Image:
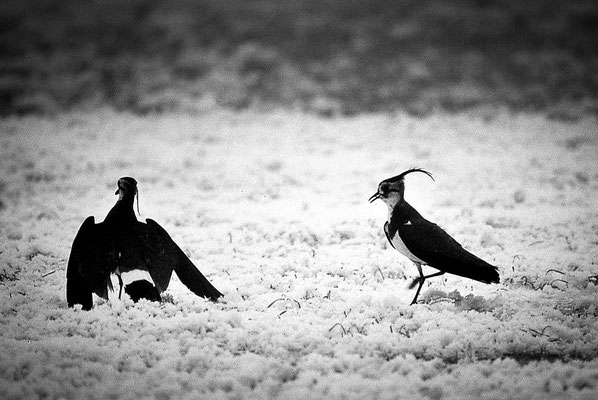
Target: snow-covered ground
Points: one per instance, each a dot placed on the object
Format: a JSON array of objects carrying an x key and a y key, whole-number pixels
[{"x": 273, "y": 210}]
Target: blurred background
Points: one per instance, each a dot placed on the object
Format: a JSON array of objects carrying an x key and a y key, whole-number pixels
[{"x": 329, "y": 57}]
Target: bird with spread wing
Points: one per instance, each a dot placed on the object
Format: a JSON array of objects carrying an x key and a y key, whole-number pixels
[{"x": 121, "y": 244}]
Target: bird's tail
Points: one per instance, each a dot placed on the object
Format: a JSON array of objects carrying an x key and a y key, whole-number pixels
[
  {"x": 481, "y": 271},
  {"x": 194, "y": 280},
  {"x": 142, "y": 289}
]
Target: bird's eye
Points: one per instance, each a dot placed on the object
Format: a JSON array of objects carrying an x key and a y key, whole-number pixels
[{"x": 384, "y": 188}]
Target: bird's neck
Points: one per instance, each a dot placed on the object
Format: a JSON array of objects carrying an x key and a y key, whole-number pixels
[
  {"x": 123, "y": 211},
  {"x": 401, "y": 212}
]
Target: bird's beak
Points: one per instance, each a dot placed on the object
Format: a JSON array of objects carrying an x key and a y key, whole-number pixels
[
  {"x": 375, "y": 197},
  {"x": 117, "y": 190}
]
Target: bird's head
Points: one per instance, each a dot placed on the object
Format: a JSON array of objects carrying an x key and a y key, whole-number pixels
[
  {"x": 127, "y": 187},
  {"x": 127, "y": 190},
  {"x": 392, "y": 190}
]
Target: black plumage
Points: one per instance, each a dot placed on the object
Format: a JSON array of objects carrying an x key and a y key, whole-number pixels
[
  {"x": 142, "y": 289},
  {"x": 424, "y": 242},
  {"x": 121, "y": 244}
]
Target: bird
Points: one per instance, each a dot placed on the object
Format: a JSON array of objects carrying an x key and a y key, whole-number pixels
[
  {"x": 121, "y": 244},
  {"x": 424, "y": 242},
  {"x": 142, "y": 289}
]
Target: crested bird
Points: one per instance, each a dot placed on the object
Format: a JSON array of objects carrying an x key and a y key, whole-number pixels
[
  {"x": 424, "y": 242},
  {"x": 121, "y": 244}
]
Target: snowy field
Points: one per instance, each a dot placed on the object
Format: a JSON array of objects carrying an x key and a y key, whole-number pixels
[{"x": 273, "y": 209}]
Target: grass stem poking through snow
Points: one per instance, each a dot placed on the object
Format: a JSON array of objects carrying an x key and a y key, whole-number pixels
[
  {"x": 281, "y": 299},
  {"x": 344, "y": 331},
  {"x": 555, "y": 270},
  {"x": 379, "y": 270}
]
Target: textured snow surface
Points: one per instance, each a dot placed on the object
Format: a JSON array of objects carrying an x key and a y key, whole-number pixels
[{"x": 273, "y": 210}]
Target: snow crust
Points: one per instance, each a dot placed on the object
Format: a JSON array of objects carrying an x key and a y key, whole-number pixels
[{"x": 272, "y": 208}]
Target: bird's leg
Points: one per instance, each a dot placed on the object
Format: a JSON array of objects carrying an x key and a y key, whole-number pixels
[
  {"x": 120, "y": 282},
  {"x": 433, "y": 275},
  {"x": 421, "y": 280},
  {"x": 416, "y": 280}
]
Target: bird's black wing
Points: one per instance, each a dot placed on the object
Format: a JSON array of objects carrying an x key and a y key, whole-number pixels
[
  {"x": 428, "y": 242},
  {"x": 88, "y": 271},
  {"x": 165, "y": 255},
  {"x": 387, "y": 233}
]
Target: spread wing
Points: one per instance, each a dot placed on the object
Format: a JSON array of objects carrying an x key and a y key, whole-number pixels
[
  {"x": 438, "y": 249},
  {"x": 88, "y": 270},
  {"x": 99, "y": 250},
  {"x": 164, "y": 255}
]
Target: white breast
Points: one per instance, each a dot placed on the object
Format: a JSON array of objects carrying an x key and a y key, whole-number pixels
[{"x": 401, "y": 248}]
